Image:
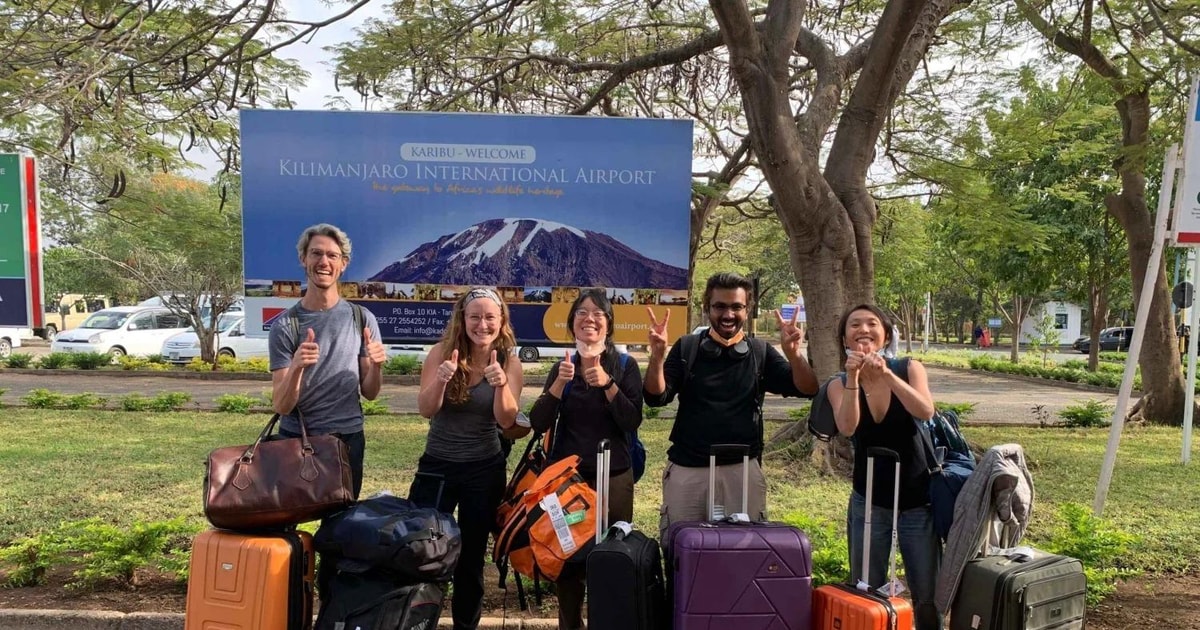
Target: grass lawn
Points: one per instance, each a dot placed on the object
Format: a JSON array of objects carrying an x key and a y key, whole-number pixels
[{"x": 58, "y": 466}]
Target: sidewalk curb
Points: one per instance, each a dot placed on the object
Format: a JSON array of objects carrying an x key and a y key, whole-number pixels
[
  {"x": 390, "y": 379},
  {"x": 20, "y": 619}
]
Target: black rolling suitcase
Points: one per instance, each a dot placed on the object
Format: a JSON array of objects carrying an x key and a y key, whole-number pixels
[{"x": 625, "y": 589}]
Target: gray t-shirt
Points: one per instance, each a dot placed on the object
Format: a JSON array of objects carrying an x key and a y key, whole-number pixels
[
  {"x": 329, "y": 390},
  {"x": 465, "y": 432}
]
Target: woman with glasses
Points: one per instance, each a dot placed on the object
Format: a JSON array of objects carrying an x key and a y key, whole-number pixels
[
  {"x": 876, "y": 405},
  {"x": 591, "y": 396},
  {"x": 470, "y": 384}
]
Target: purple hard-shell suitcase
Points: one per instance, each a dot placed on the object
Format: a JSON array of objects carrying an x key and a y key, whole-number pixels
[{"x": 749, "y": 576}]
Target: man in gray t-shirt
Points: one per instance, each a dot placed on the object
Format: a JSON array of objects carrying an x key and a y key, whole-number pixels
[{"x": 322, "y": 360}]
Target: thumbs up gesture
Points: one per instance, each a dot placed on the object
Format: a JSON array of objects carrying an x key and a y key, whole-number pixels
[
  {"x": 566, "y": 369},
  {"x": 494, "y": 373},
  {"x": 375, "y": 350},
  {"x": 448, "y": 367},
  {"x": 308, "y": 352},
  {"x": 593, "y": 374}
]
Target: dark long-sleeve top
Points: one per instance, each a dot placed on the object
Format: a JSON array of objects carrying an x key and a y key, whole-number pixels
[
  {"x": 719, "y": 403},
  {"x": 586, "y": 416}
]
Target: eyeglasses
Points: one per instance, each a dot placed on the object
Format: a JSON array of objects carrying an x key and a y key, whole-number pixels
[
  {"x": 583, "y": 312},
  {"x": 320, "y": 253},
  {"x": 732, "y": 308}
]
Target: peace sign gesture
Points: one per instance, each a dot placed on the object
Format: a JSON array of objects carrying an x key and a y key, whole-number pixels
[
  {"x": 658, "y": 333},
  {"x": 790, "y": 335}
]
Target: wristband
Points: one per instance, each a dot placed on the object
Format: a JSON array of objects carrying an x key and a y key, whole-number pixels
[{"x": 611, "y": 382}]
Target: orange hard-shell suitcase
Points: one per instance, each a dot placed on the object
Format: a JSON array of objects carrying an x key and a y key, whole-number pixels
[
  {"x": 857, "y": 607},
  {"x": 250, "y": 581}
]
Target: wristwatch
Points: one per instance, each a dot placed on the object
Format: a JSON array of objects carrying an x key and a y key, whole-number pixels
[{"x": 611, "y": 382}]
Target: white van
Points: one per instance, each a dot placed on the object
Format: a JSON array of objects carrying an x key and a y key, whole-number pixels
[
  {"x": 9, "y": 338},
  {"x": 121, "y": 330}
]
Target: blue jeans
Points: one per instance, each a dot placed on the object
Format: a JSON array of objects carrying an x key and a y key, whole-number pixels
[{"x": 919, "y": 546}]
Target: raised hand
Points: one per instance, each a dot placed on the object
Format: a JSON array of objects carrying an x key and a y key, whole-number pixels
[
  {"x": 566, "y": 369},
  {"x": 593, "y": 374},
  {"x": 448, "y": 367},
  {"x": 309, "y": 352},
  {"x": 658, "y": 333},
  {"x": 375, "y": 351},
  {"x": 790, "y": 335},
  {"x": 856, "y": 359},
  {"x": 494, "y": 373}
]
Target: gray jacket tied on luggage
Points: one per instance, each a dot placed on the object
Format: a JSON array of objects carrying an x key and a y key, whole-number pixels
[{"x": 992, "y": 511}]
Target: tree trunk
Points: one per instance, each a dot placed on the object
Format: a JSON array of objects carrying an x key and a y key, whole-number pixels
[{"x": 1162, "y": 376}]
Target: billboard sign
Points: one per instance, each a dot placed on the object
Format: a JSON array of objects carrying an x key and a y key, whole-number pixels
[
  {"x": 788, "y": 309},
  {"x": 15, "y": 308},
  {"x": 537, "y": 207},
  {"x": 1187, "y": 205}
]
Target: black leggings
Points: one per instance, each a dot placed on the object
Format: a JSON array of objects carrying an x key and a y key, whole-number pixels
[{"x": 475, "y": 488}]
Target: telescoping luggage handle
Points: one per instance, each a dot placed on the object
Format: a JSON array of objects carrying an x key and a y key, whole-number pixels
[
  {"x": 893, "y": 588},
  {"x": 620, "y": 529},
  {"x": 441, "y": 479},
  {"x": 715, "y": 514}
]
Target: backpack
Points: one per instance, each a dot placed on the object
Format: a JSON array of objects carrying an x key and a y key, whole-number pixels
[
  {"x": 821, "y": 423},
  {"x": 637, "y": 450},
  {"x": 553, "y": 525},
  {"x": 949, "y": 469},
  {"x": 372, "y": 601}
]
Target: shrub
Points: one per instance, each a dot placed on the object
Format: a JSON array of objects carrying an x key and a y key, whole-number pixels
[
  {"x": 135, "y": 402},
  {"x": 91, "y": 360},
  {"x": 43, "y": 399},
  {"x": 236, "y": 403},
  {"x": 129, "y": 363},
  {"x": 375, "y": 407},
  {"x": 198, "y": 365},
  {"x": 649, "y": 412},
  {"x": 963, "y": 410},
  {"x": 102, "y": 551},
  {"x": 56, "y": 361},
  {"x": 257, "y": 364},
  {"x": 830, "y": 551},
  {"x": 169, "y": 401},
  {"x": 84, "y": 401},
  {"x": 1097, "y": 544},
  {"x": 19, "y": 360},
  {"x": 1088, "y": 413},
  {"x": 3, "y": 390},
  {"x": 402, "y": 364}
]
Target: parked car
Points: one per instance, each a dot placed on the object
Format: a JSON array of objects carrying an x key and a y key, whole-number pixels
[
  {"x": 121, "y": 330},
  {"x": 1116, "y": 338},
  {"x": 9, "y": 338},
  {"x": 230, "y": 340}
]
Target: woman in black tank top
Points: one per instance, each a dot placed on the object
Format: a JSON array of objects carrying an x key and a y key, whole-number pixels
[{"x": 876, "y": 406}]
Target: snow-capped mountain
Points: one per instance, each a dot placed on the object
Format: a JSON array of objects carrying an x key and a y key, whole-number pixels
[{"x": 531, "y": 252}]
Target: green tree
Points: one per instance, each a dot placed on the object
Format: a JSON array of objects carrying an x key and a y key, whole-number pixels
[{"x": 176, "y": 237}]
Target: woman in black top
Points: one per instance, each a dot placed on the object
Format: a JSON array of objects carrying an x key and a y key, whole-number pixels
[
  {"x": 603, "y": 400},
  {"x": 876, "y": 407}
]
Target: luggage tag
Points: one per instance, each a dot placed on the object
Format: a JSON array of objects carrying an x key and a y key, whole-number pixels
[
  {"x": 739, "y": 517},
  {"x": 895, "y": 588},
  {"x": 624, "y": 526},
  {"x": 562, "y": 527}
]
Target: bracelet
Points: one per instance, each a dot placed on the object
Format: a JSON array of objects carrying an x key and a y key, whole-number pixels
[
  {"x": 611, "y": 382},
  {"x": 844, "y": 387}
]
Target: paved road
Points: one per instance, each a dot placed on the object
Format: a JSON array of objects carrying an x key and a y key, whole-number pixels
[{"x": 999, "y": 399}]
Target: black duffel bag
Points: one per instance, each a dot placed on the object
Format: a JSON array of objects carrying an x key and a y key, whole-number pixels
[{"x": 393, "y": 535}]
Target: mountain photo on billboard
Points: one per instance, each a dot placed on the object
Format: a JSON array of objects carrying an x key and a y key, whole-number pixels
[{"x": 531, "y": 252}]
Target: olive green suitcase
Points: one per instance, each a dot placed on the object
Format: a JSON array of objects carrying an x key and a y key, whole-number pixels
[{"x": 1031, "y": 591}]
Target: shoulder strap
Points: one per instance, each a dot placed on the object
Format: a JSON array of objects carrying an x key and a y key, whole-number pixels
[
  {"x": 293, "y": 321},
  {"x": 689, "y": 345}
]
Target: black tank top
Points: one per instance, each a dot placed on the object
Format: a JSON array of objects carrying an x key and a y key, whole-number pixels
[{"x": 897, "y": 432}]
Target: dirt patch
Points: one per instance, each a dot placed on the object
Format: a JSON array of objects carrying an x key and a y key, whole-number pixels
[
  {"x": 1158, "y": 601},
  {"x": 157, "y": 592}
]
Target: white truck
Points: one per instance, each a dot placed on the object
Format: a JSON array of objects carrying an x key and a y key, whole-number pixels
[{"x": 11, "y": 338}]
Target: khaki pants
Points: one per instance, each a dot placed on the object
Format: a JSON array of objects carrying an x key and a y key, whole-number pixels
[
  {"x": 685, "y": 493},
  {"x": 570, "y": 585}
]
